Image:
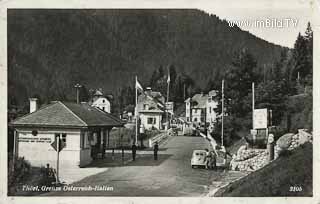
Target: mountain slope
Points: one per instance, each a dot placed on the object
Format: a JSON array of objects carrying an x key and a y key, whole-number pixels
[{"x": 51, "y": 50}]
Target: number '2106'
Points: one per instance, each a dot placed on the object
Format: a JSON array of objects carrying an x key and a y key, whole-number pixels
[{"x": 295, "y": 189}]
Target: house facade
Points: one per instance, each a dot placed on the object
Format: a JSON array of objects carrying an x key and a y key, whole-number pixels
[
  {"x": 200, "y": 108},
  {"x": 100, "y": 101},
  {"x": 84, "y": 130},
  {"x": 150, "y": 108}
]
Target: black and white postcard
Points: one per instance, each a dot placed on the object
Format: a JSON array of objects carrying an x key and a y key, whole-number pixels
[{"x": 133, "y": 102}]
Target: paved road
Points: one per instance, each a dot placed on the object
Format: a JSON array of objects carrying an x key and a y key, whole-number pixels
[{"x": 171, "y": 175}]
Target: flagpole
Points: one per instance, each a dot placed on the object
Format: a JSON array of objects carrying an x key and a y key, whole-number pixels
[
  {"x": 168, "y": 87},
  {"x": 222, "y": 112},
  {"x": 136, "y": 111}
]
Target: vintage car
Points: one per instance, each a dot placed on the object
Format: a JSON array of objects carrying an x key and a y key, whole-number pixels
[{"x": 198, "y": 158}]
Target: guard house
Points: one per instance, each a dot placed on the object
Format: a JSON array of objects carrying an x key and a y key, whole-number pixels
[{"x": 83, "y": 128}]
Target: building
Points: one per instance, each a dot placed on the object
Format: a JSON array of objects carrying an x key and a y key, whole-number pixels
[
  {"x": 99, "y": 101},
  {"x": 212, "y": 104},
  {"x": 83, "y": 128},
  {"x": 200, "y": 108},
  {"x": 151, "y": 109}
]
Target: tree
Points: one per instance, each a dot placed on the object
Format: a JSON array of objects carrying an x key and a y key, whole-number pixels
[{"x": 237, "y": 92}]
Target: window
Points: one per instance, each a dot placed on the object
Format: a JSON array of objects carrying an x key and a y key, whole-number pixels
[
  {"x": 210, "y": 110},
  {"x": 103, "y": 101},
  {"x": 195, "y": 119},
  {"x": 103, "y": 108},
  {"x": 151, "y": 121}
]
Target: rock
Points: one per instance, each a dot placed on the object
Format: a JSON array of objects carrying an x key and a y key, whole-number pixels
[
  {"x": 295, "y": 137},
  {"x": 304, "y": 136},
  {"x": 284, "y": 141}
]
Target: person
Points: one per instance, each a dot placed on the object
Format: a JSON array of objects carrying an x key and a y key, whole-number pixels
[
  {"x": 213, "y": 163},
  {"x": 155, "y": 151},
  {"x": 134, "y": 150},
  {"x": 207, "y": 158}
]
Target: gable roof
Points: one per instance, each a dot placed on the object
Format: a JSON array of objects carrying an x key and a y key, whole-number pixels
[
  {"x": 200, "y": 99},
  {"x": 62, "y": 114}
]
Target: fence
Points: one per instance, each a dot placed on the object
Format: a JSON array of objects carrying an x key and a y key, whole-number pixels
[{"x": 158, "y": 138}]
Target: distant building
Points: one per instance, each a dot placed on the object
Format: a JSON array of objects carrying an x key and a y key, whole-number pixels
[
  {"x": 99, "y": 101},
  {"x": 151, "y": 109},
  {"x": 83, "y": 128},
  {"x": 200, "y": 108},
  {"x": 211, "y": 105}
]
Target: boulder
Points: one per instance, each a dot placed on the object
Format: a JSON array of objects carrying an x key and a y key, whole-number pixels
[
  {"x": 304, "y": 136},
  {"x": 284, "y": 141}
]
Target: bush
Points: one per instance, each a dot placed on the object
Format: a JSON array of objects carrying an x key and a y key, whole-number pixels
[{"x": 17, "y": 173}]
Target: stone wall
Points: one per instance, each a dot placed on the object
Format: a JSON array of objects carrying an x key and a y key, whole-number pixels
[
  {"x": 291, "y": 141},
  {"x": 254, "y": 159},
  {"x": 249, "y": 159}
]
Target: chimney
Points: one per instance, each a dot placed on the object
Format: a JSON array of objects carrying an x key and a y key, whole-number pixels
[{"x": 33, "y": 104}]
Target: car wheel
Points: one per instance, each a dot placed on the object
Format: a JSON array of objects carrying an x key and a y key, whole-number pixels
[{"x": 192, "y": 166}]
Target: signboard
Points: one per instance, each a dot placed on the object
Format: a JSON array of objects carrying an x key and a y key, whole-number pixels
[
  {"x": 260, "y": 118},
  {"x": 55, "y": 144}
]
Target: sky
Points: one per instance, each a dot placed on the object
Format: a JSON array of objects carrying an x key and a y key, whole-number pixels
[{"x": 297, "y": 11}]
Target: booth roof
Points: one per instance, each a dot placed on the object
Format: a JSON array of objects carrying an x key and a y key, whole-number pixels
[{"x": 64, "y": 114}]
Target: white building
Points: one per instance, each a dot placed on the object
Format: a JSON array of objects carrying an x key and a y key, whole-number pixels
[
  {"x": 200, "y": 108},
  {"x": 100, "y": 101},
  {"x": 151, "y": 109},
  {"x": 84, "y": 130},
  {"x": 212, "y": 104}
]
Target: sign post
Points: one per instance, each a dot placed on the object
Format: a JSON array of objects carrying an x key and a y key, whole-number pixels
[
  {"x": 58, "y": 148},
  {"x": 58, "y": 145}
]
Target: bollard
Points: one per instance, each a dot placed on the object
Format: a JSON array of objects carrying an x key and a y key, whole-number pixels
[
  {"x": 113, "y": 154},
  {"x": 270, "y": 147}
]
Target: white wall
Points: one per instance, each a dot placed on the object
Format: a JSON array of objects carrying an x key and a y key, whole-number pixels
[
  {"x": 196, "y": 113},
  {"x": 211, "y": 117},
  {"x": 144, "y": 120},
  {"x": 188, "y": 111},
  {"x": 102, "y": 103},
  {"x": 40, "y": 153}
]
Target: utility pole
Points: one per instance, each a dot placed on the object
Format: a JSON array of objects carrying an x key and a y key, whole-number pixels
[
  {"x": 252, "y": 105},
  {"x": 136, "y": 112},
  {"x": 78, "y": 86},
  {"x": 222, "y": 111},
  {"x": 184, "y": 91},
  {"x": 168, "y": 88}
]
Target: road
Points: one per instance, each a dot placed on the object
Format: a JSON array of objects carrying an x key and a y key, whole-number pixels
[{"x": 171, "y": 175}]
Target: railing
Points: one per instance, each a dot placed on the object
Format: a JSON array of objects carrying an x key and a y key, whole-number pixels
[{"x": 158, "y": 138}]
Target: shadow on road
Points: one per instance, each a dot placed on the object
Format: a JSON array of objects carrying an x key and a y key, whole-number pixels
[
  {"x": 148, "y": 160},
  {"x": 117, "y": 161}
]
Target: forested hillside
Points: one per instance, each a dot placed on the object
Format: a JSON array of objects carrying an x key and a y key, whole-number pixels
[{"x": 51, "y": 50}]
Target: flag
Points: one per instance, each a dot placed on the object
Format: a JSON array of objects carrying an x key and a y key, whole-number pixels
[
  {"x": 168, "y": 80},
  {"x": 138, "y": 86}
]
